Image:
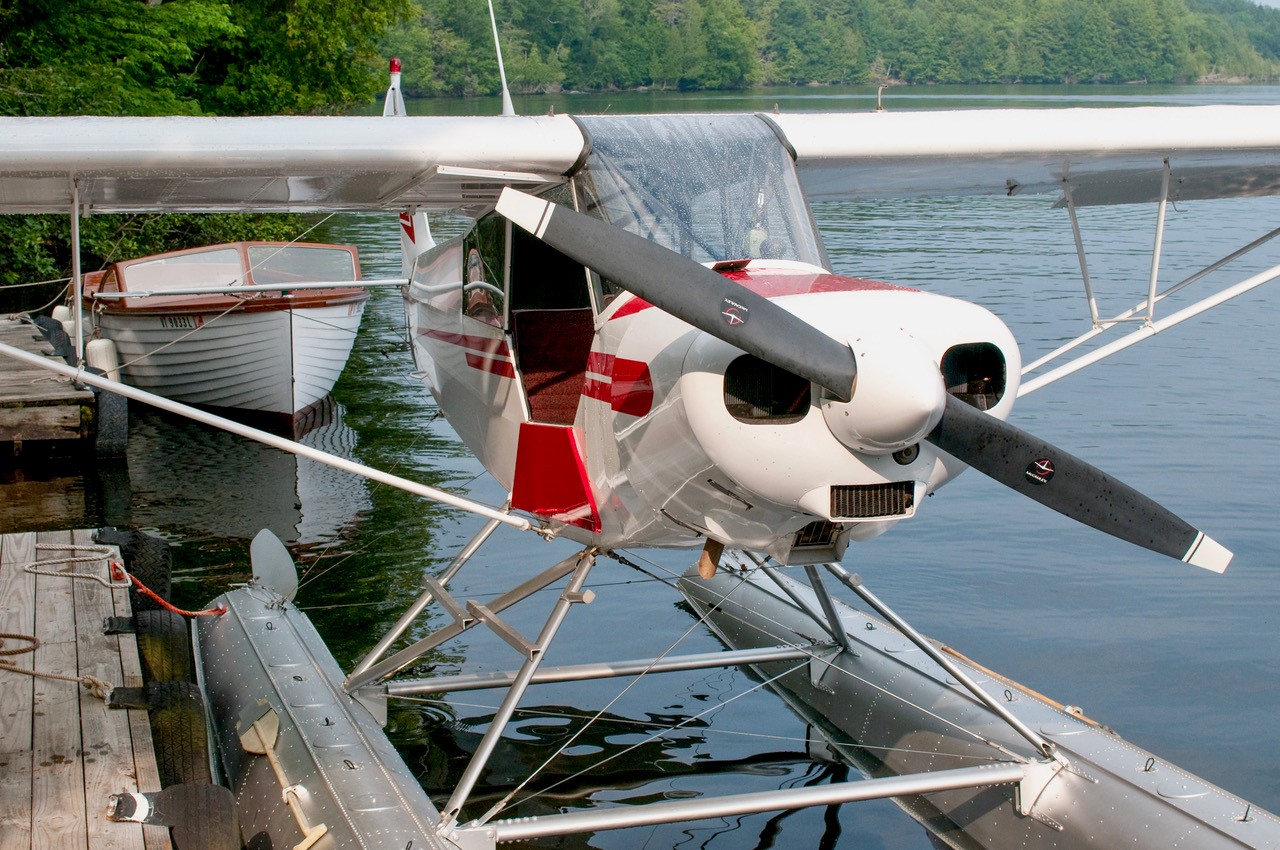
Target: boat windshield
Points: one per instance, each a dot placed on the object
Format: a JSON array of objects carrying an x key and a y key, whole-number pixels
[
  {"x": 215, "y": 267},
  {"x": 711, "y": 187},
  {"x": 284, "y": 264}
]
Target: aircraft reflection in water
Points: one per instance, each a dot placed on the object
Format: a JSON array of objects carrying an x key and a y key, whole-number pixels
[{"x": 625, "y": 760}]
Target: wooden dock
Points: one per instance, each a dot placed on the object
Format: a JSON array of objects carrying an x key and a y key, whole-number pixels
[
  {"x": 35, "y": 408},
  {"x": 63, "y": 753}
]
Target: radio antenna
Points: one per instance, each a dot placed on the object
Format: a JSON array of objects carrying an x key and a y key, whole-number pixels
[{"x": 507, "y": 108}]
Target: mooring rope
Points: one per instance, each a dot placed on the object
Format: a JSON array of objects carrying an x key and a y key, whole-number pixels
[{"x": 98, "y": 687}]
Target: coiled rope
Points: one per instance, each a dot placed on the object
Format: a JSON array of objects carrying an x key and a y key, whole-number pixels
[{"x": 116, "y": 577}]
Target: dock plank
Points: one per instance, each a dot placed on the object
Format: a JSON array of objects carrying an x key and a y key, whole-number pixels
[
  {"x": 17, "y": 616},
  {"x": 144, "y": 756},
  {"x": 57, "y": 792},
  {"x": 33, "y": 408},
  {"x": 62, "y": 751},
  {"x": 105, "y": 732}
]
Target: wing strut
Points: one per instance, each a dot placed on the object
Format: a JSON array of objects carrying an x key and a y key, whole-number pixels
[
  {"x": 277, "y": 442},
  {"x": 1143, "y": 311}
]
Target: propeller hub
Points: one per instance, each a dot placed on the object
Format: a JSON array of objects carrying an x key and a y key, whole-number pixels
[{"x": 898, "y": 397}]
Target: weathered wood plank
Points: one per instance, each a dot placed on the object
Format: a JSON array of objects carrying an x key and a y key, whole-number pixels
[
  {"x": 144, "y": 757},
  {"x": 58, "y": 804},
  {"x": 32, "y": 407},
  {"x": 34, "y": 388},
  {"x": 17, "y": 616},
  {"x": 32, "y": 424},
  {"x": 107, "y": 744}
]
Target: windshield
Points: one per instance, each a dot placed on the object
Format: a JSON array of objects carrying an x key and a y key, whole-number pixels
[
  {"x": 276, "y": 264},
  {"x": 215, "y": 267},
  {"x": 710, "y": 187}
]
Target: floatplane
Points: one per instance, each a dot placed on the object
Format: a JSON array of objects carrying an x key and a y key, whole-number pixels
[{"x": 642, "y": 341}]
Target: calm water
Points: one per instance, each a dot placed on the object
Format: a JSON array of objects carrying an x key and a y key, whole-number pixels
[{"x": 1178, "y": 661}]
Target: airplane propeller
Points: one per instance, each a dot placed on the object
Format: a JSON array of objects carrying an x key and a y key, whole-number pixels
[{"x": 730, "y": 312}]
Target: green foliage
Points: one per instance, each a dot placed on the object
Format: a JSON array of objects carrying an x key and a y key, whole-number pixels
[
  {"x": 226, "y": 57},
  {"x": 696, "y": 44},
  {"x": 106, "y": 57},
  {"x": 37, "y": 247},
  {"x": 181, "y": 57}
]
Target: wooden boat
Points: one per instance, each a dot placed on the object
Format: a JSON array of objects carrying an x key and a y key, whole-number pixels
[{"x": 262, "y": 329}]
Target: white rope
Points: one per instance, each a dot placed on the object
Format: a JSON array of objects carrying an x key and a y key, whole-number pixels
[{"x": 100, "y": 553}]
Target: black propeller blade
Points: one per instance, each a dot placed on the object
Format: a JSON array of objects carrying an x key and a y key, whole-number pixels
[
  {"x": 1070, "y": 486},
  {"x": 705, "y": 299},
  {"x": 730, "y": 312}
]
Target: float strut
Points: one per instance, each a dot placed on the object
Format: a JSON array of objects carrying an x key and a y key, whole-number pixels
[
  {"x": 572, "y": 594},
  {"x": 854, "y": 583}
]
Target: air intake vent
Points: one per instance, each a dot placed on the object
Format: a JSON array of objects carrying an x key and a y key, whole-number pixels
[
  {"x": 820, "y": 533},
  {"x": 862, "y": 501}
]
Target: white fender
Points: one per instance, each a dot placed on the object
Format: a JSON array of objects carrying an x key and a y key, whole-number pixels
[{"x": 101, "y": 354}]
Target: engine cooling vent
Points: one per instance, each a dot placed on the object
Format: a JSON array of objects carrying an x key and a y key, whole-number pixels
[
  {"x": 820, "y": 533},
  {"x": 863, "y": 501}
]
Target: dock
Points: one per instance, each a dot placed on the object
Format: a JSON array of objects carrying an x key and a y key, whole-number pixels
[
  {"x": 63, "y": 752},
  {"x": 36, "y": 409}
]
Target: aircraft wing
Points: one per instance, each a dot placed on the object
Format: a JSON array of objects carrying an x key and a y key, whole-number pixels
[
  {"x": 1109, "y": 156},
  {"x": 277, "y": 164},
  {"x": 314, "y": 163}
]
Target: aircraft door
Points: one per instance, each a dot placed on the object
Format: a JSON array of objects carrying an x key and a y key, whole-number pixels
[{"x": 552, "y": 327}]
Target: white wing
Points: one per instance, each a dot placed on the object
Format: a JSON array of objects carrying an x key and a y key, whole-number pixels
[
  {"x": 277, "y": 164},
  {"x": 307, "y": 163},
  {"x": 1110, "y": 156}
]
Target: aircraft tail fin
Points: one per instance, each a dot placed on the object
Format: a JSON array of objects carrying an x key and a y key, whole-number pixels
[
  {"x": 415, "y": 232},
  {"x": 415, "y": 238}
]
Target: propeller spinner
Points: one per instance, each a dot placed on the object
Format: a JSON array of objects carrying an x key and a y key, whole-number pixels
[{"x": 730, "y": 312}]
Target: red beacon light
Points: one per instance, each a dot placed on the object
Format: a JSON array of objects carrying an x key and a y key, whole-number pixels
[{"x": 395, "y": 64}]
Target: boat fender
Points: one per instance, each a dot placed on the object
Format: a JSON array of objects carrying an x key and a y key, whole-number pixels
[
  {"x": 101, "y": 354},
  {"x": 62, "y": 313}
]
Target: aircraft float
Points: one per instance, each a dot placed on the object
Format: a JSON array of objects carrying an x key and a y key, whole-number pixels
[{"x": 641, "y": 339}]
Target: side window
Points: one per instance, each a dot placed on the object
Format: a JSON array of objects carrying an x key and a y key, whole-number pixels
[{"x": 482, "y": 270}]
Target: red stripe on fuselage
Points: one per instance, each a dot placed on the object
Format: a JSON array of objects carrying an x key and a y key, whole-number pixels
[
  {"x": 629, "y": 388},
  {"x": 775, "y": 285},
  {"x": 483, "y": 353}
]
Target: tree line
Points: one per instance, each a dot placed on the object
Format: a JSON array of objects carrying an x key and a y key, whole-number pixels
[
  {"x": 236, "y": 57},
  {"x": 550, "y": 45}
]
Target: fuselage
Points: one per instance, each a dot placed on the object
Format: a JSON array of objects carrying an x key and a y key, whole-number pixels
[{"x": 622, "y": 425}]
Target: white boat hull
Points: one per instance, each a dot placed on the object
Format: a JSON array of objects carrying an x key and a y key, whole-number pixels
[{"x": 278, "y": 361}]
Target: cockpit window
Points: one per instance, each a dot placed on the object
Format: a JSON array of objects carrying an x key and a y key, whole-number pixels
[
  {"x": 482, "y": 274},
  {"x": 710, "y": 187}
]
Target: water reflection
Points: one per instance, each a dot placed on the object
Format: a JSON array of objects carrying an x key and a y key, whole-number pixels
[
  {"x": 621, "y": 760},
  {"x": 196, "y": 481}
]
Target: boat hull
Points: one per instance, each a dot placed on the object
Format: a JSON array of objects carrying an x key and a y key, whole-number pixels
[{"x": 272, "y": 362}]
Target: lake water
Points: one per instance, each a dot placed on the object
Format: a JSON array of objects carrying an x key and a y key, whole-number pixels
[{"x": 1179, "y": 661}]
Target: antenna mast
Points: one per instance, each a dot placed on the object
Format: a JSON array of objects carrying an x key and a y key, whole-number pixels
[{"x": 507, "y": 108}]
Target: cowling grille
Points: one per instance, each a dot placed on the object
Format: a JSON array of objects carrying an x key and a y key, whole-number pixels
[{"x": 863, "y": 501}]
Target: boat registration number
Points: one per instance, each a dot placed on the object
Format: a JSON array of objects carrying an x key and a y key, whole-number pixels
[{"x": 181, "y": 322}]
